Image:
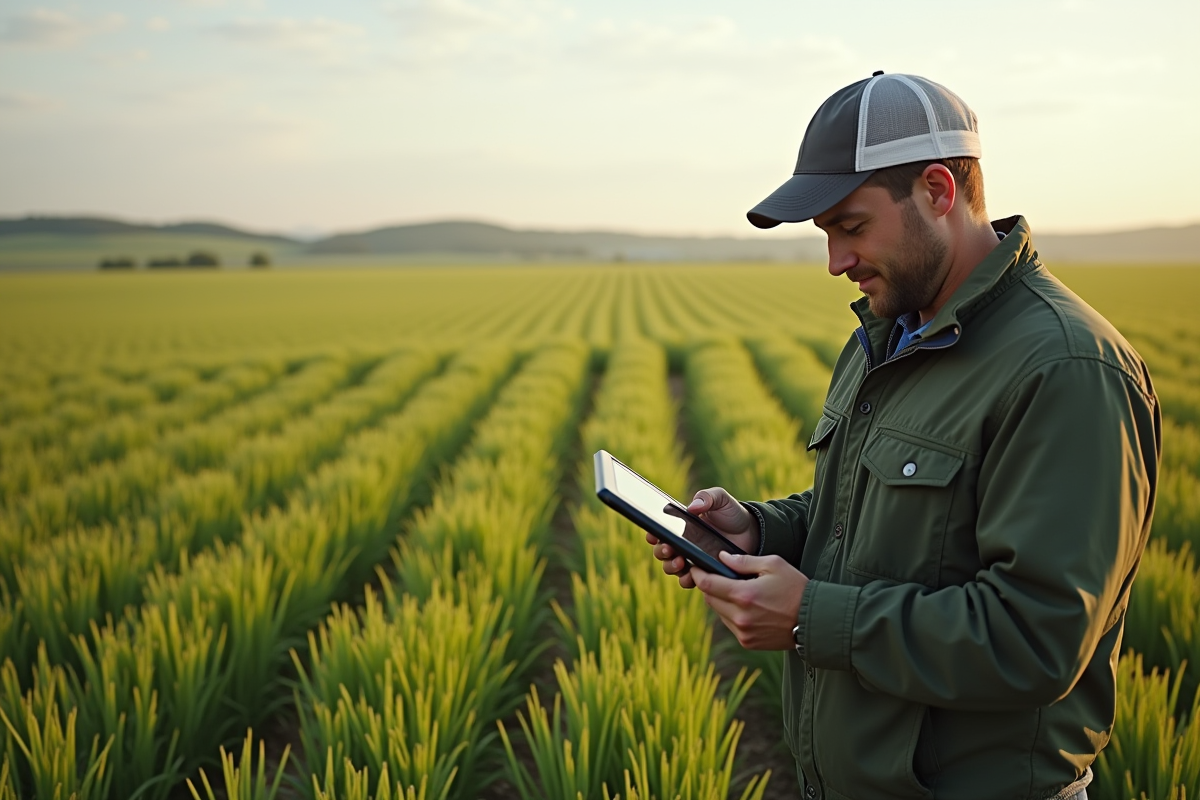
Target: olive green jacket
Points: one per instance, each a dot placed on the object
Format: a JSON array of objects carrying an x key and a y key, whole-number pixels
[{"x": 980, "y": 506}]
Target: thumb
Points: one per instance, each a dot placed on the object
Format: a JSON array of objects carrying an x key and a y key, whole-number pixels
[{"x": 700, "y": 502}]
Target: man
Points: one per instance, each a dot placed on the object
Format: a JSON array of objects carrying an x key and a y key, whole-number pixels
[{"x": 952, "y": 589}]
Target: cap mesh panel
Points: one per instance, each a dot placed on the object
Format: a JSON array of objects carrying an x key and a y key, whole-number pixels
[
  {"x": 893, "y": 112},
  {"x": 949, "y": 110}
]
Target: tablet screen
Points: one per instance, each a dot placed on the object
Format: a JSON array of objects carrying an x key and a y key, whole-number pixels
[{"x": 665, "y": 510}]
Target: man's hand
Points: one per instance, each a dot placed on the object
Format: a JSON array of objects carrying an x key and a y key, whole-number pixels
[
  {"x": 760, "y": 612},
  {"x": 718, "y": 508}
]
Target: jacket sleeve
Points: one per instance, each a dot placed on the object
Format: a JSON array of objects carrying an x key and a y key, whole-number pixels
[
  {"x": 784, "y": 525},
  {"x": 1065, "y": 495}
]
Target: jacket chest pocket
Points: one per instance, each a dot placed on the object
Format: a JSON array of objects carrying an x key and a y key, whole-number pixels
[{"x": 906, "y": 509}]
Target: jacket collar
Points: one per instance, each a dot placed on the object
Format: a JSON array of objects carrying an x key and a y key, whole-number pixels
[{"x": 1010, "y": 261}]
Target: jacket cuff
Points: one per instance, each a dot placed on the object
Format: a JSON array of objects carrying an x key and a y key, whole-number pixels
[
  {"x": 762, "y": 527},
  {"x": 826, "y": 622},
  {"x": 778, "y": 536}
]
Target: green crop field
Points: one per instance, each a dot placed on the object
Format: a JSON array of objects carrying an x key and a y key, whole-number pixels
[{"x": 331, "y": 534}]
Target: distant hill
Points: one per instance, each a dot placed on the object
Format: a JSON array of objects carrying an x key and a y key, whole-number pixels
[
  {"x": 1150, "y": 245},
  {"x": 74, "y": 243},
  {"x": 481, "y": 239},
  {"x": 1157, "y": 245},
  {"x": 99, "y": 226},
  {"x": 56, "y": 244}
]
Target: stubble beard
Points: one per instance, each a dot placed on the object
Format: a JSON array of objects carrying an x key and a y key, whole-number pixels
[{"x": 912, "y": 279}]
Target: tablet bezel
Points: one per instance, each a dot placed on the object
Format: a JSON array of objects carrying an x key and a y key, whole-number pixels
[{"x": 606, "y": 490}]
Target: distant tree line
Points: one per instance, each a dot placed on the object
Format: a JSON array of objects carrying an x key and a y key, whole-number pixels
[
  {"x": 197, "y": 259},
  {"x": 119, "y": 262}
]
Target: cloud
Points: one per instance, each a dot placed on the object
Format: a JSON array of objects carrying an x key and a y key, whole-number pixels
[
  {"x": 444, "y": 29},
  {"x": 710, "y": 44},
  {"x": 22, "y": 101},
  {"x": 705, "y": 36},
  {"x": 701, "y": 57},
  {"x": 121, "y": 58},
  {"x": 501, "y": 33},
  {"x": 190, "y": 97},
  {"x": 321, "y": 38},
  {"x": 1063, "y": 63},
  {"x": 43, "y": 28},
  {"x": 1039, "y": 108},
  {"x": 158, "y": 24}
]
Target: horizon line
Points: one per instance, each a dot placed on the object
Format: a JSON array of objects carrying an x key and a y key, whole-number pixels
[{"x": 326, "y": 233}]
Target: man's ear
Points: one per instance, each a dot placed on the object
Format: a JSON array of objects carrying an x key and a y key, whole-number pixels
[{"x": 937, "y": 190}]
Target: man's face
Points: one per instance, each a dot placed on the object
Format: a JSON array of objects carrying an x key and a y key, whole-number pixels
[{"x": 892, "y": 253}]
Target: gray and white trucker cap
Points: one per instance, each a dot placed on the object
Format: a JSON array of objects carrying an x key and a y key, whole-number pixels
[{"x": 879, "y": 122}]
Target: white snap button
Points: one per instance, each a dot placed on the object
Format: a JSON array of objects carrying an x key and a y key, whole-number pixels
[{"x": 910, "y": 469}]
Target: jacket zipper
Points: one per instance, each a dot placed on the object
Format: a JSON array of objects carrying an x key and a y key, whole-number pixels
[
  {"x": 810, "y": 684},
  {"x": 865, "y": 344},
  {"x": 922, "y": 346},
  {"x": 861, "y": 334}
]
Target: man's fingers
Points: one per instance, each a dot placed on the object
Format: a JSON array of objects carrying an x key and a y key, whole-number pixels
[
  {"x": 724, "y": 609},
  {"x": 675, "y": 566},
  {"x": 712, "y": 584},
  {"x": 746, "y": 564},
  {"x": 709, "y": 500}
]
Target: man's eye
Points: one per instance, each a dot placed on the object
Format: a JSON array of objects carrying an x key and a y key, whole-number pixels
[{"x": 855, "y": 231}]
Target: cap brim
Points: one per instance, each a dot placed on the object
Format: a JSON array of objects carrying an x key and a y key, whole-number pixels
[{"x": 804, "y": 196}]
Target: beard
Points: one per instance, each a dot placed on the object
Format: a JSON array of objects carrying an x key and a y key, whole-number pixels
[{"x": 912, "y": 278}]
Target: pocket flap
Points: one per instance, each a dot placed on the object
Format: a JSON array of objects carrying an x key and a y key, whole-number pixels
[
  {"x": 899, "y": 462},
  {"x": 825, "y": 427}
]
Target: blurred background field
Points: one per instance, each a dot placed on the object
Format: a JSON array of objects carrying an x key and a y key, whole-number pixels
[
  {"x": 73, "y": 319},
  {"x": 337, "y": 524}
]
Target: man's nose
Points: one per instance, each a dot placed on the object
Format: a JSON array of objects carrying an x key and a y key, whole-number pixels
[{"x": 841, "y": 259}]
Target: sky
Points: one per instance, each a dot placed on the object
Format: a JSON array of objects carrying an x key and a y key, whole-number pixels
[{"x": 666, "y": 117}]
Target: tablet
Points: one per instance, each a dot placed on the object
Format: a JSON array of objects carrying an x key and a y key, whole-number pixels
[{"x": 628, "y": 493}]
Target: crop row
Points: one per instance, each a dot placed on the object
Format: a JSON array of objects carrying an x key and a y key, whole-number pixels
[
  {"x": 797, "y": 377},
  {"x": 235, "y": 550},
  {"x": 126, "y": 487},
  {"x": 1168, "y": 354},
  {"x": 404, "y": 694},
  {"x": 162, "y": 686},
  {"x": 86, "y": 396},
  {"x": 65, "y": 583},
  {"x": 639, "y": 712},
  {"x": 1154, "y": 751},
  {"x": 1177, "y": 506},
  {"x": 669, "y": 305},
  {"x": 747, "y": 442},
  {"x": 745, "y": 438},
  {"x": 53, "y": 325},
  {"x": 43, "y": 450}
]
